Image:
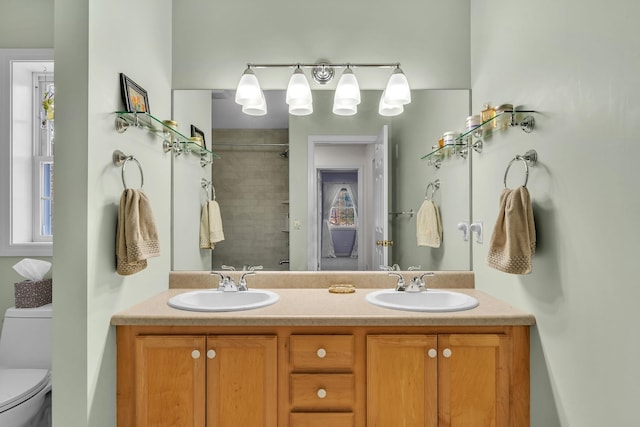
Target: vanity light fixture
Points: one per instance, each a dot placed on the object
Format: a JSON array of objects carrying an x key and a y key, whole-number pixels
[
  {"x": 347, "y": 96},
  {"x": 256, "y": 110},
  {"x": 299, "y": 94},
  {"x": 249, "y": 92}
]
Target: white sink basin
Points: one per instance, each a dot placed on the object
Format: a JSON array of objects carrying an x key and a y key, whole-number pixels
[
  {"x": 432, "y": 300},
  {"x": 214, "y": 300}
]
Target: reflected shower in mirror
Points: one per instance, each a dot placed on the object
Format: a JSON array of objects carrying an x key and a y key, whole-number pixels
[{"x": 265, "y": 182}]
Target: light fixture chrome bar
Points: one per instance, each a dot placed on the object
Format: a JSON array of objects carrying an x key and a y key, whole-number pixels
[{"x": 325, "y": 64}]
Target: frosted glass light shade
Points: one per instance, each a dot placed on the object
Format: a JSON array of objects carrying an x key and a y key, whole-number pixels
[
  {"x": 344, "y": 109},
  {"x": 256, "y": 110},
  {"x": 301, "y": 110},
  {"x": 298, "y": 91},
  {"x": 347, "y": 91},
  {"x": 397, "y": 91},
  {"x": 389, "y": 110},
  {"x": 248, "y": 92}
]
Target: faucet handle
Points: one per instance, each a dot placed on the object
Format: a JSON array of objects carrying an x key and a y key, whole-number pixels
[
  {"x": 242, "y": 284},
  {"x": 414, "y": 268},
  {"x": 254, "y": 267},
  {"x": 400, "y": 285},
  {"x": 228, "y": 267}
]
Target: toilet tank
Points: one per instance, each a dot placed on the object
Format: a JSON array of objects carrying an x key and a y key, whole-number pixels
[{"x": 26, "y": 337}]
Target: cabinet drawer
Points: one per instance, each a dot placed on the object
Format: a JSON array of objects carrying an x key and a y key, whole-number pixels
[
  {"x": 322, "y": 391},
  {"x": 322, "y": 352},
  {"x": 321, "y": 419}
]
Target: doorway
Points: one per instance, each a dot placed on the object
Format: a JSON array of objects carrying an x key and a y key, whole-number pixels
[{"x": 338, "y": 213}]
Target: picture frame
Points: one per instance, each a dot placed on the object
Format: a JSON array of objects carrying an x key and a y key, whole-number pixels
[
  {"x": 135, "y": 98},
  {"x": 197, "y": 132}
]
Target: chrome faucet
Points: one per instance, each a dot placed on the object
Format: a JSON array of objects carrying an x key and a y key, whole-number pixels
[
  {"x": 226, "y": 283},
  {"x": 417, "y": 283}
]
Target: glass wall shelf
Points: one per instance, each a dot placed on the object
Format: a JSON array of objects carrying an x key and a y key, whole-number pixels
[
  {"x": 172, "y": 139},
  {"x": 466, "y": 139}
]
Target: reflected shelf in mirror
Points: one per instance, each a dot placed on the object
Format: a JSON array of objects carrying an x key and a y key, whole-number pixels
[{"x": 170, "y": 136}]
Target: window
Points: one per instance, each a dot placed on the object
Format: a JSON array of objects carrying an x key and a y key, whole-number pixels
[
  {"x": 343, "y": 211},
  {"x": 26, "y": 151}
]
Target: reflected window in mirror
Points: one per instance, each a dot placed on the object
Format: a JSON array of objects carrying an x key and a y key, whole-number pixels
[{"x": 343, "y": 211}]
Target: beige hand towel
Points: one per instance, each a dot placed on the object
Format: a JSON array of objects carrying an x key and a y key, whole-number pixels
[
  {"x": 513, "y": 241},
  {"x": 136, "y": 234},
  {"x": 429, "y": 225},
  {"x": 205, "y": 240},
  {"x": 215, "y": 223}
]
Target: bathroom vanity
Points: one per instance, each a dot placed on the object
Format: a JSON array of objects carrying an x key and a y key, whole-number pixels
[{"x": 321, "y": 359}]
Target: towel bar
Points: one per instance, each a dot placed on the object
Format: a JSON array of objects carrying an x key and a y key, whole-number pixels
[
  {"x": 121, "y": 159},
  {"x": 530, "y": 158}
]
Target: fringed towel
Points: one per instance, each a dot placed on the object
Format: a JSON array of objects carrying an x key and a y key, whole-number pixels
[
  {"x": 136, "y": 234},
  {"x": 513, "y": 241},
  {"x": 210, "y": 225},
  {"x": 429, "y": 225}
]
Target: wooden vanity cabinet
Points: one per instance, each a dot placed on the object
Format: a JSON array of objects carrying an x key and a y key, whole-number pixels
[
  {"x": 197, "y": 380},
  {"x": 307, "y": 376},
  {"x": 438, "y": 380}
]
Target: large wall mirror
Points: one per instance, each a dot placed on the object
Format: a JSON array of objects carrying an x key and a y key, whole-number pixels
[{"x": 302, "y": 193}]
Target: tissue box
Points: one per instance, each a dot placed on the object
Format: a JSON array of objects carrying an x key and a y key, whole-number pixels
[{"x": 30, "y": 294}]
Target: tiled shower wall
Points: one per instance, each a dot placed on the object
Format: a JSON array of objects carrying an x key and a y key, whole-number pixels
[{"x": 252, "y": 189}]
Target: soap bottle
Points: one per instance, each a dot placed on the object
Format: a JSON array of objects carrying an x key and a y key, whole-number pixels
[{"x": 488, "y": 112}]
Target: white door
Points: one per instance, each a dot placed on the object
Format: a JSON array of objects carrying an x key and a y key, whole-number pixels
[{"x": 380, "y": 170}]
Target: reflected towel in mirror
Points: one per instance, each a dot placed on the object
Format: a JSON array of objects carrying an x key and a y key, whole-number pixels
[
  {"x": 210, "y": 225},
  {"x": 429, "y": 225}
]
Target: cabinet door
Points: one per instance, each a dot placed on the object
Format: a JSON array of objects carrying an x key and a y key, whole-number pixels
[
  {"x": 170, "y": 381},
  {"x": 401, "y": 380},
  {"x": 473, "y": 380},
  {"x": 242, "y": 381}
]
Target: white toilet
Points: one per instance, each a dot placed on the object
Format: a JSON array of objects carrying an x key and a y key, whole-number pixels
[{"x": 25, "y": 367}]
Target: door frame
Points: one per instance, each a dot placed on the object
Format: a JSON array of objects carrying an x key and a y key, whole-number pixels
[{"x": 313, "y": 240}]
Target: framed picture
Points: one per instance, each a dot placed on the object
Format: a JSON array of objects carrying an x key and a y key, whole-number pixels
[
  {"x": 197, "y": 132},
  {"x": 133, "y": 95}
]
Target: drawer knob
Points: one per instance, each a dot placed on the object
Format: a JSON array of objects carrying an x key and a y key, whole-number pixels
[
  {"x": 195, "y": 354},
  {"x": 432, "y": 353},
  {"x": 446, "y": 352},
  {"x": 211, "y": 354},
  {"x": 322, "y": 393},
  {"x": 322, "y": 353}
]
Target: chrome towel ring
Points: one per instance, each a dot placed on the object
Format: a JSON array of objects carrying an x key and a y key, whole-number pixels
[
  {"x": 433, "y": 185},
  {"x": 530, "y": 158},
  {"x": 121, "y": 159}
]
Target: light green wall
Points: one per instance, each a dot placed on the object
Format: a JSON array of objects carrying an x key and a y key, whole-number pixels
[
  {"x": 430, "y": 114},
  {"x": 26, "y": 24},
  {"x": 89, "y": 54},
  {"x": 577, "y": 63}
]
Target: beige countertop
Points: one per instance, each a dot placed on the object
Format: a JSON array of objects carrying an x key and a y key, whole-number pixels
[{"x": 318, "y": 307}]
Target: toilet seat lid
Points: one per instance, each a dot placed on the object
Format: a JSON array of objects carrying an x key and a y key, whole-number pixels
[{"x": 18, "y": 385}]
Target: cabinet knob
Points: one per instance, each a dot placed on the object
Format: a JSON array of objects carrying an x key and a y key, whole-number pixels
[
  {"x": 433, "y": 353},
  {"x": 322, "y": 393},
  {"x": 446, "y": 352},
  {"x": 195, "y": 354},
  {"x": 322, "y": 353},
  {"x": 211, "y": 354}
]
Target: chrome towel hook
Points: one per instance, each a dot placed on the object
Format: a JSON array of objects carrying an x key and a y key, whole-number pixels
[
  {"x": 121, "y": 159},
  {"x": 530, "y": 158}
]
